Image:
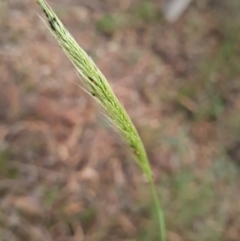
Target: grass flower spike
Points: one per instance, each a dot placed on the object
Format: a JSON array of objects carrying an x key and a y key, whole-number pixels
[{"x": 98, "y": 86}]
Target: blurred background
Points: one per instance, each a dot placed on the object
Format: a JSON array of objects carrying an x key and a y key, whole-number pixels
[{"x": 65, "y": 175}]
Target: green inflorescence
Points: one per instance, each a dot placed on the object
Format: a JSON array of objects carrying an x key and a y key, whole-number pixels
[{"x": 100, "y": 89}]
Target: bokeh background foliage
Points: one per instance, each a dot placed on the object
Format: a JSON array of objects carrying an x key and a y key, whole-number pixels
[{"x": 65, "y": 175}]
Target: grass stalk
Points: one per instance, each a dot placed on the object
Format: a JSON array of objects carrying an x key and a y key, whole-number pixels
[{"x": 99, "y": 88}]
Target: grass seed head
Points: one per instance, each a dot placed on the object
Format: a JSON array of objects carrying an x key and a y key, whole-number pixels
[{"x": 98, "y": 86}]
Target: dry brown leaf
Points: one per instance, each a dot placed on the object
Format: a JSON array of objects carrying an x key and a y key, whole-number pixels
[
  {"x": 126, "y": 224},
  {"x": 27, "y": 204},
  {"x": 171, "y": 236},
  {"x": 74, "y": 207}
]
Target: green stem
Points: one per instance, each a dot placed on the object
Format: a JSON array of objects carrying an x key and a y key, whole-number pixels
[
  {"x": 160, "y": 213},
  {"x": 143, "y": 158},
  {"x": 145, "y": 165}
]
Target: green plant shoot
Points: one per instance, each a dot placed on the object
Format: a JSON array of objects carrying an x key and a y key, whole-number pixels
[{"x": 99, "y": 88}]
